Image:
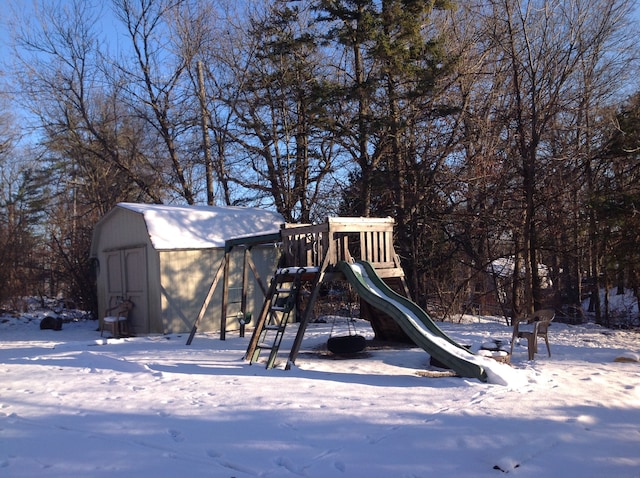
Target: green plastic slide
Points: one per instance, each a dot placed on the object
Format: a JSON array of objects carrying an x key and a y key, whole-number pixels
[{"x": 415, "y": 322}]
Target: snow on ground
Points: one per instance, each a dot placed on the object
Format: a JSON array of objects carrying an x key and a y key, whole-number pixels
[{"x": 73, "y": 404}]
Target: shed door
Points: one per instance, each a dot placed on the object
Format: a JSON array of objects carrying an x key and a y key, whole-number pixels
[{"x": 127, "y": 278}]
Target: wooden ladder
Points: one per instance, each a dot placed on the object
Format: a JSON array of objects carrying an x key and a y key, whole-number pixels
[{"x": 279, "y": 304}]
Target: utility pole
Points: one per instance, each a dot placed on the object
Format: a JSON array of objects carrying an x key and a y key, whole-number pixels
[{"x": 206, "y": 142}]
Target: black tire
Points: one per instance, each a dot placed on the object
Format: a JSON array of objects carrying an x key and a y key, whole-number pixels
[{"x": 348, "y": 344}]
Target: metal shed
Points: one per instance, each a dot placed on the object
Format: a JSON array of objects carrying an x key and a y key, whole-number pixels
[{"x": 167, "y": 258}]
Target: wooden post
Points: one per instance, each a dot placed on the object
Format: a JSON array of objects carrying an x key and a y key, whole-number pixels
[
  {"x": 245, "y": 279},
  {"x": 315, "y": 290},
  {"x": 205, "y": 304},
  {"x": 206, "y": 142},
  {"x": 225, "y": 295}
]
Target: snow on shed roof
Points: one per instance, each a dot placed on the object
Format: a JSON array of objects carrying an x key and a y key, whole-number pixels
[{"x": 201, "y": 227}]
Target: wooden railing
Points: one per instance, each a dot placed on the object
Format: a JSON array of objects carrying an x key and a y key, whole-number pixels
[{"x": 342, "y": 239}]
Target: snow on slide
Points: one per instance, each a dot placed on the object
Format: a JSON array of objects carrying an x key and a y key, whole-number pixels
[{"x": 417, "y": 324}]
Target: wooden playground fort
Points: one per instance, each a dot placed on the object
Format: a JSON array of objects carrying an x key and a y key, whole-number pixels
[
  {"x": 311, "y": 253},
  {"x": 309, "y": 257}
]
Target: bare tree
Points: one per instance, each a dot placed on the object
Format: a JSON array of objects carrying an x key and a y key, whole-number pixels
[
  {"x": 484, "y": 191},
  {"x": 545, "y": 44},
  {"x": 269, "y": 81},
  {"x": 92, "y": 151},
  {"x": 63, "y": 85},
  {"x": 154, "y": 81}
]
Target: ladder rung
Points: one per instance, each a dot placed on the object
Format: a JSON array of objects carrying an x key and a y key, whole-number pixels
[
  {"x": 282, "y": 296},
  {"x": 297, "y": 270}
]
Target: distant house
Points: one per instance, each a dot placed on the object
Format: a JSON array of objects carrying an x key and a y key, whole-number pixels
[
  {"x": 165, "y": 258},
  {"x": 493, "y": 290},
  {"x": 504, "y": 267}
]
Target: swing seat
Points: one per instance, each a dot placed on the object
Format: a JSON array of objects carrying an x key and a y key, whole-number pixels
[{"x": 347, "y": 344}]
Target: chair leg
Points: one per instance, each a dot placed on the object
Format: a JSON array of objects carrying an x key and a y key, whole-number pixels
[
  {"x": 531, "y": 346},
  {"x": 113, "y": 328},
  {"x": 124, "y": 328},
  {"x": 513, "y": 339},
  {"x": 546, "y": 340}
]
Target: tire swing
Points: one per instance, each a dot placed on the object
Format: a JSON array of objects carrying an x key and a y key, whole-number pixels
[
  {"x": 346, "y": 344},
  {"x": 352, "y": 343}
]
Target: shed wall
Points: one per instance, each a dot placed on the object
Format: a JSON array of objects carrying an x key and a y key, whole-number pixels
[
  {"x": 186, "y": 277},
  {"x": 126, "y": 261},
  {"x": 171, "y": 285},
  {"x": 265, "y": 259},
  {"x": 122, "y": 228}
]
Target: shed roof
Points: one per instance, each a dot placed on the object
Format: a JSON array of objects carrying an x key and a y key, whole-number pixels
[{"x": 201, "y": 227}]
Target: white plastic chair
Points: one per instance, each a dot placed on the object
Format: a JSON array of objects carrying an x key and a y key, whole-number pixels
[{"x": 531, "y": 328}]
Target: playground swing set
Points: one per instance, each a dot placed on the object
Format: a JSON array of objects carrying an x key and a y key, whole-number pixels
[{"x": 358, "y": 250}]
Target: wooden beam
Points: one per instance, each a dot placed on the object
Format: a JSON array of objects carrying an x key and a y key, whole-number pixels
[
  {"x": 253, "y": 240},
  {"x": 297, "y": 343},
  {"x": 225, "y": 296},
  {"x": 205, "y": 304}
]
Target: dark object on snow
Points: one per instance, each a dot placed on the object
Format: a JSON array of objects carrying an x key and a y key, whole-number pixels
[
  {"x": 348, "y": 344},
  {"x": 51, "y": 323}
]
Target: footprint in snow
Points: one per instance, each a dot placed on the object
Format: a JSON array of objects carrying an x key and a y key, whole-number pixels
[
  {"x": 176, "y": 435},
  {"x": 288, "y": 425}
]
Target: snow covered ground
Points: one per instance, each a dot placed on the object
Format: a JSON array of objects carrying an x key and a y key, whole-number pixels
[{"x": 73, "y": 404}]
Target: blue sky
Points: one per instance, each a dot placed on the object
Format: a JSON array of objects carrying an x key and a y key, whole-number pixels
[
  {"x": 5, "y": 13},
  {"x": 8, "y": 9}
]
